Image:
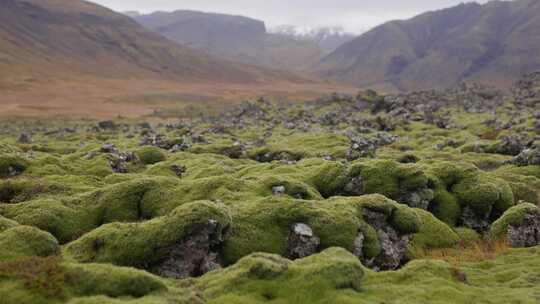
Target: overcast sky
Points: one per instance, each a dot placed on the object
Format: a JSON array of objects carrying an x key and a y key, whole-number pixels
[{"x": 353, "y": 15}]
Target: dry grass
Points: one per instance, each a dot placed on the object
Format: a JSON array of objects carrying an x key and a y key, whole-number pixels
[
  {"x": 43, "y": 275},
  {"x": 467, "y": 252},
  {"x": 91, "y": 98}
]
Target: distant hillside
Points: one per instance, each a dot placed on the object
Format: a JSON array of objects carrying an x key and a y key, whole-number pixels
[
  {"x": 235, "y": 38},
  {"x": 70, "y": 37},
  {"x": 328, "y": 38},
  {"x": 492, "y": 43}
]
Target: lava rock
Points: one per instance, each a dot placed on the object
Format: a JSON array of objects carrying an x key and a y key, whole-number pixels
[
  {"x": 528, "y": 157},
  {"x": 470, "y": 219},
  {"x": 25, "y": 138},
  {"x": 527, "y": 233},
  {"x": 192, "y": 257},
  {"x": 393, "y": 244},
  {"x": 302, "y": 241},
  {"x": 278, "y": 190}
]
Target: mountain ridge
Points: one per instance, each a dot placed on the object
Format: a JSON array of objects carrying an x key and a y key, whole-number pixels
[
  {"x": 492, "y": 43},
  {"x": 233, "y": 37}
]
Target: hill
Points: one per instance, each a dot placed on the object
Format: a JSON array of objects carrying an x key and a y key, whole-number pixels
[
  {"x": 235, "y": 38},
  {"x": 77, "y": 59},
  {"x": 50, "y": 36},
  {"x": 492, "y": 43}
]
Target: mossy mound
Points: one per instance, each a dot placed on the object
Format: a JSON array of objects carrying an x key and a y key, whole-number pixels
[
  {"x": 51, "y": 280},
  {"x": 150, "y": 155},
  {"x": 12, "y": 165},
  {"x": 459, "y": 186},
  {"x": 264, "y": 225},
  {"x": 69, "y": 217},
  {"x": 433, "y": 234},
  {"x": 513, "y": 216},
  {"x": 138, "y": 244},
  {"x": 260, "y": 278},
  {"x": 25, "y": 241}
]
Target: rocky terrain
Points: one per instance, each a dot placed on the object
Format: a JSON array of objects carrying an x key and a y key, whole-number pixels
[{"x": 421, "y": 197}]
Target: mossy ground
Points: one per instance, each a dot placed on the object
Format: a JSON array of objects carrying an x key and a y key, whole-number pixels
[{"x": 74, "y": 230}]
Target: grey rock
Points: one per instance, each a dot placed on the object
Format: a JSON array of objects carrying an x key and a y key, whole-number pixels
[
  {"x": 278, "y": 190},
  {"x": 418, "y": 199},
  {"x": 527, "y": 234},
  {"x": 25, "y": 138},
  {"x": 355, "y": 186},
  {"x": 470, "y": 219},
  {"x": 528, "y": 157},
  {"x": 179, "y": 170},
  {"x": 193, "y": 256},
  {"x": 302, "y": 241},
  {"x": 393, "y": 244}
]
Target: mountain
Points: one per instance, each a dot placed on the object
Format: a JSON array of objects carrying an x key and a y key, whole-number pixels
[
  {"x": 131, "y": 13},
  {"x": 71, "y": 37},
  {"x": 327, "y": 38},
  {"x": 492, "y": 43},
  {"x": 235, "y": 38}
]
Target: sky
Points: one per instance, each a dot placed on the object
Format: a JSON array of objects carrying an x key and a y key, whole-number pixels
[{"x": 354, "y": 16}]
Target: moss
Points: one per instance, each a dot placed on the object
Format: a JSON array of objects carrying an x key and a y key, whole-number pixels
[
  {"x": 25, "y": 241},
  {"x": 292, "y": 187},
  {"x": 150, "y": 155},
  {"x": 265, "y": 277},
  {"x": 467, "y": 236},
  {"x": 295, "y": 146},
  {"x": 513, "y": 216},
  {"x": 6, "y": 223},
  {"x": 23, "y": 189},
  {"x": 433, "y": 234},
  {"x": 264, "y": 225},
  {"x": 100, "y": 279},
  {"x": 405, "y": 221},
  {"x": 32, "y": 280},
  {"x": 525, "y": 184},
  {"x": 137, "y": 244},
  {"x": 390, "y": 178},
  {"x": 445, "y": 206},
  {"x": 327, "y": 177},
  {"x": 461, "y": 185},
  {"x": 51, "y": 280},
  {"x": 484, "y": 193},
  {"x": 9, "y": 164},
  {"x": 69, "y": 217}
]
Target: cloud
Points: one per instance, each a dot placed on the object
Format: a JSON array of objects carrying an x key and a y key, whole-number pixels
[{"x": 354, "y": 15}]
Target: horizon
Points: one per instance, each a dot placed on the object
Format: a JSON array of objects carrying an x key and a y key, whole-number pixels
[{"x": 353, "y": 17}]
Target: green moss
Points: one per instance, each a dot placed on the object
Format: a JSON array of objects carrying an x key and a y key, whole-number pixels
[
  {"x": 25, "y": 241},
  {"x": 513, "y": 216},
  {"x": 390, "y": 178},
  {"x": 264, "y": 225},
  {"x": 467, "y": 236},
  {"x": 150, "y": 155},
  {"x": 101, "y": 279},
  {"x": 406, "y": 221},
  {"x": 264, "y": 277},
  {"x": 260, "y": 278},
  {"x": 12, "y": 163},
  {"x": 6, "y": 223},
  {"x": 433, "y": 234},
  {"x": 137, "y": 244},
  {"x": 69, "y": 217},
  {"x": 461, "y": 185}
]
